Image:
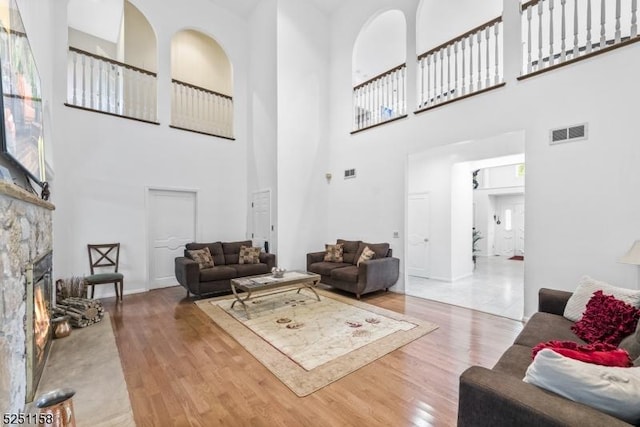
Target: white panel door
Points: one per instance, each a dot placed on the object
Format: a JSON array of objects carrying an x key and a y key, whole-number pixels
[
  {"x": 261, "y": 214},
  {"x": 172, "y": 224},
  {"x": 510, "y": 231},
  {"x": 418, "y": 235}
]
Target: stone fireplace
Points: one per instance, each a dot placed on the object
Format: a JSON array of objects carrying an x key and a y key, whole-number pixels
[{"x": 26, "y": 240}]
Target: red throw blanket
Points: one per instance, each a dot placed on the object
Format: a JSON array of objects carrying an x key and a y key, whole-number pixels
[{"x": 596, "y": 353}]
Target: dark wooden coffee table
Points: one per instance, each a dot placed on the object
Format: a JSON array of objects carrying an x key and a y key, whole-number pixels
[{"x": 267, "y": 282}]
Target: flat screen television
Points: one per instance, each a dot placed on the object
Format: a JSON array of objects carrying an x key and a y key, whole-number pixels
[{"x": 21, "y": 138}]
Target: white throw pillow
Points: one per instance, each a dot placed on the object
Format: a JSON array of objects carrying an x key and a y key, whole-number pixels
[
  {"x": 586, "y": 287},
  {"x": 612, "y": 390}
]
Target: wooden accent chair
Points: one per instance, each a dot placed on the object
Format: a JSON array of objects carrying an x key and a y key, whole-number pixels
[{"x": 102, "y": 256}]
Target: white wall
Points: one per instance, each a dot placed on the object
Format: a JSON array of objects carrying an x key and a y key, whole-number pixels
[
  {"x": 303, "y": 58},
  {"x": 582, "y": 206},
  {"x": 104, "y": 164}
]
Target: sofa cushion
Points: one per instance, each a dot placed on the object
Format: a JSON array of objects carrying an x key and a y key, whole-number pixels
[
  {"x": 232, "y": 251},
  {"x": 380, "y": 249},
  {"x": 215, "y": 249},
  {"x": 243, "y": 270},
  {"x": 324, "y": 268},
  {"x": 615, "y": 391},
  {"x": 543, "y": 327},
  {"x": 334, "y": 253},
  {"x": 249, "y": 255},
  {"x": 347, "y": 274},
  {"x": 202, "y": 257},
  {"x": 514, "y": 361},
  {"x": 607, "y": 320},
  {"x": 366, "y": 255},
  {"x": 632, "y": 344},
  {"x": 219, "y": 272},
  {"x": 349, "y": 250},
  {"x": 597, "y": 353},
  {"x": 577, "y": 304}
]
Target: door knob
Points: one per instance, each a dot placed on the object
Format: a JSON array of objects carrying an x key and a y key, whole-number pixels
[{"x": 426, "y": 240}]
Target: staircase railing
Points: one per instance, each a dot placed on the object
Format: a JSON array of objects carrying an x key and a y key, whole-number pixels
[
  {"x": 558, "y": 32},
  {"x": 380, "y": 99},
  {"x": 465, "y": 65},
  {"x": 201, "y": 110},
  {"x": 101, "y": 84}
]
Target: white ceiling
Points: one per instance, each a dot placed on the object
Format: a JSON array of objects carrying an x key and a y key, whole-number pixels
[{"x": 245, "y": 7}]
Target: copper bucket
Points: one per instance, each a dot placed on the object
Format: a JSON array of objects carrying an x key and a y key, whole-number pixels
[{"x": 57, "y": 408}]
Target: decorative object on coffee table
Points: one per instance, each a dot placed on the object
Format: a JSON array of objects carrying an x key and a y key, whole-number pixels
[{"x": 278, "y": 272}]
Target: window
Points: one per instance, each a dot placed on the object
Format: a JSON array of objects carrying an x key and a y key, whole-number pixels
[{"x": 508, "y": 226}]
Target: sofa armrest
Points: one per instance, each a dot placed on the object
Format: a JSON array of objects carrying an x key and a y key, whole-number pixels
[
  {"x": 378, "y": 273},
  {"x": 314, "y": 257},
  {"x": 269, "y": 259},
  {"x": 188, "y": 273},
  {"x": 489, "y": 398},
  {"x": 552, "y": 300}
]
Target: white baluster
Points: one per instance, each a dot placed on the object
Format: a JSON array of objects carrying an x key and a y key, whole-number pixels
[
  {"x": 91, "y": 87},
  {"x": 634, "y": 18},
  {"x": 422, "y": 78},
  {"x": 563, "y": 37},
  {"x": 456, "y": 91},
  {"x": 551, "y": 38},
  {"x": 435, "y": 77},
  {"x": 464, "y": 70},
  {"x": 496, "y": 32},
  {"x": 75, "y": 78},
  {"x": 471, "y": 63},
  {"x": 589, "y": 43},
  {"x": 618, "y": 12},
  {"x": 487, "y": 82},
  {"x": 479, "y": 37},
  {"x": 441, "y": 97},
  {"x": 403, "y": 77},
  {"x": 529, "y": 47},
  {"x": 540, "y": 35},
  {"x": 576, "y": 48},
  {"x": 448, "y": 72},
  {"x": 84, "y": 77},
  {"x": 603, "y": 31}
]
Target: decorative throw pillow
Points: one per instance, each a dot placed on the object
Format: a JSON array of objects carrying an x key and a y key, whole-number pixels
[
  {"x": 586, "y": 287},
  {"x": 615, "y": 391},
  {"x": 366, "y": 255},
  {"x": 606, "y": 320},
  {"x": 632, "y": 344},
  {"x": 597, "y": 353},
  {"x": 202, "y": 257},
  {"x": 249, "y": 255},
  {"x": 334, "y": 253}
]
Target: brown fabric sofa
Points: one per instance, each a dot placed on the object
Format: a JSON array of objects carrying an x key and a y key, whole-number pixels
[
  {"x": 381, "y": 272},
  {"x": 217, "y": 279},
  {"x": 498, "y": 397}
]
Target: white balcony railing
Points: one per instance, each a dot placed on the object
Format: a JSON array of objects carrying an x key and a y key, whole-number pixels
[
  {"x": 201, "y": 110},
  {"x": 467, "y": 64},
  {"x": 101, "y": 84},
  {"x": 380, "y": 99},
  {"x": 562, "y": 31}
]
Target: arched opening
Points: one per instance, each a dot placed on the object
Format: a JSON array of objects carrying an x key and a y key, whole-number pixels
[
  {"x": 379, "y": 70},
  {"x": 112, "y": 59},
  {"x": 202, "y": 79}
]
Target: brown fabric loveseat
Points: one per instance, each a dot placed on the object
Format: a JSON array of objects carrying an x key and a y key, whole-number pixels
[
  {"x": 217, "y": 279},
  {"x": 376, "y": 274},
  {"x": 499, "y": 396}
]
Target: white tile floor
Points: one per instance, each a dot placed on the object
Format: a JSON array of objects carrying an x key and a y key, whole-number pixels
[{"x": 496, "y": 287}]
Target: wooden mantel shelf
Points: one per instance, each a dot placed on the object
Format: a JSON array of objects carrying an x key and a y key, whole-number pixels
[{"x": 12, "y": 190}]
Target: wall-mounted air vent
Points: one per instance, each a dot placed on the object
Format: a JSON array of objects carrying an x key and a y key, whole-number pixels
[
  {"x": 349, "y": 173},
  {"x": 568, "y": 134}
]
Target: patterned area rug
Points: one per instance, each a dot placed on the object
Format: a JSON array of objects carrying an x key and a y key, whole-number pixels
[{"x": 308, "y": 344}]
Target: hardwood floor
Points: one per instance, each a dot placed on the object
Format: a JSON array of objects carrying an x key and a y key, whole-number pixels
[{"x": 183, "y": 370}]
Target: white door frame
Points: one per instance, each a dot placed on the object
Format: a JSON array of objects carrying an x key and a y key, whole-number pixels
[
  {"x": 270, "y": 239},
  {"x": 421, "y": 194},
  {"x": 147, "y": 236}
]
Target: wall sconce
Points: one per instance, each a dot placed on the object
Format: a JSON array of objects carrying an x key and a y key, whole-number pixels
[
  {"x": 328, "y": 176},
  {"x": 633, "y": 257},
  {"x": 496, "y": 218}
]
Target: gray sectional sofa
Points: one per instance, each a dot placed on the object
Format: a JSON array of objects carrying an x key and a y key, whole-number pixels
[
  {"x": 217, "y": 279},
  {"x": 376, "y": 274},
  {"x": 499, "y": 397}
]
